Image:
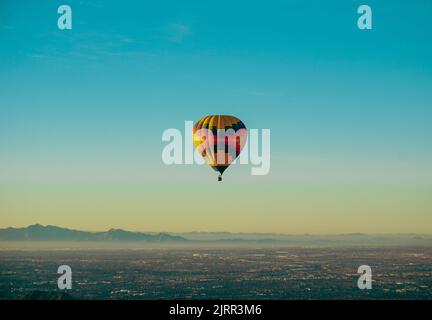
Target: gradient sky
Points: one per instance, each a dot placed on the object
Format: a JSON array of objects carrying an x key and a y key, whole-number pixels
[{"x": 82, "y": 113}]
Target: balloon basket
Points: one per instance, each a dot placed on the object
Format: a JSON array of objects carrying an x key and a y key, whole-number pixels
[{"x": 220, "y": 178}]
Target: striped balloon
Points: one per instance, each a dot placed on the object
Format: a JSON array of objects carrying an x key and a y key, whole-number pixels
[{"x": 219, "y": 139}]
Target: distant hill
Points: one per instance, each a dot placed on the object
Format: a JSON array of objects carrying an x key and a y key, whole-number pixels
[
  {"x": 38, "y": 232},
  {"x": 347, "y": 239}
]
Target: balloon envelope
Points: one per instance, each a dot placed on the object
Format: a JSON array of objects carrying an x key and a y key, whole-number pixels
[{"x": 219, "y": 139}]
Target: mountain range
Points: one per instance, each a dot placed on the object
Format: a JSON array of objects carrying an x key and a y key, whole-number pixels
[
  {"x": 38, "y": 232},
  {"x": 50, "y": 233}
]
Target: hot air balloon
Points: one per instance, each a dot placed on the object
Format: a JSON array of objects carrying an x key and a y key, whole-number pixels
[{"x": 219, "y": 139}]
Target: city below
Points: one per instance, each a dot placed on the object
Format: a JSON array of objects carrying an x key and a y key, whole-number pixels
[{"x": 248, "y": 272}]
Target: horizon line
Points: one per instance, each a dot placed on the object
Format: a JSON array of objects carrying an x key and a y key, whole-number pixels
[{"x": 230, "y": 232}]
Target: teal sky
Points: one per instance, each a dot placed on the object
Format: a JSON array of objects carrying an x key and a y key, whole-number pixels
[{"x": 82, "y": 113}]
